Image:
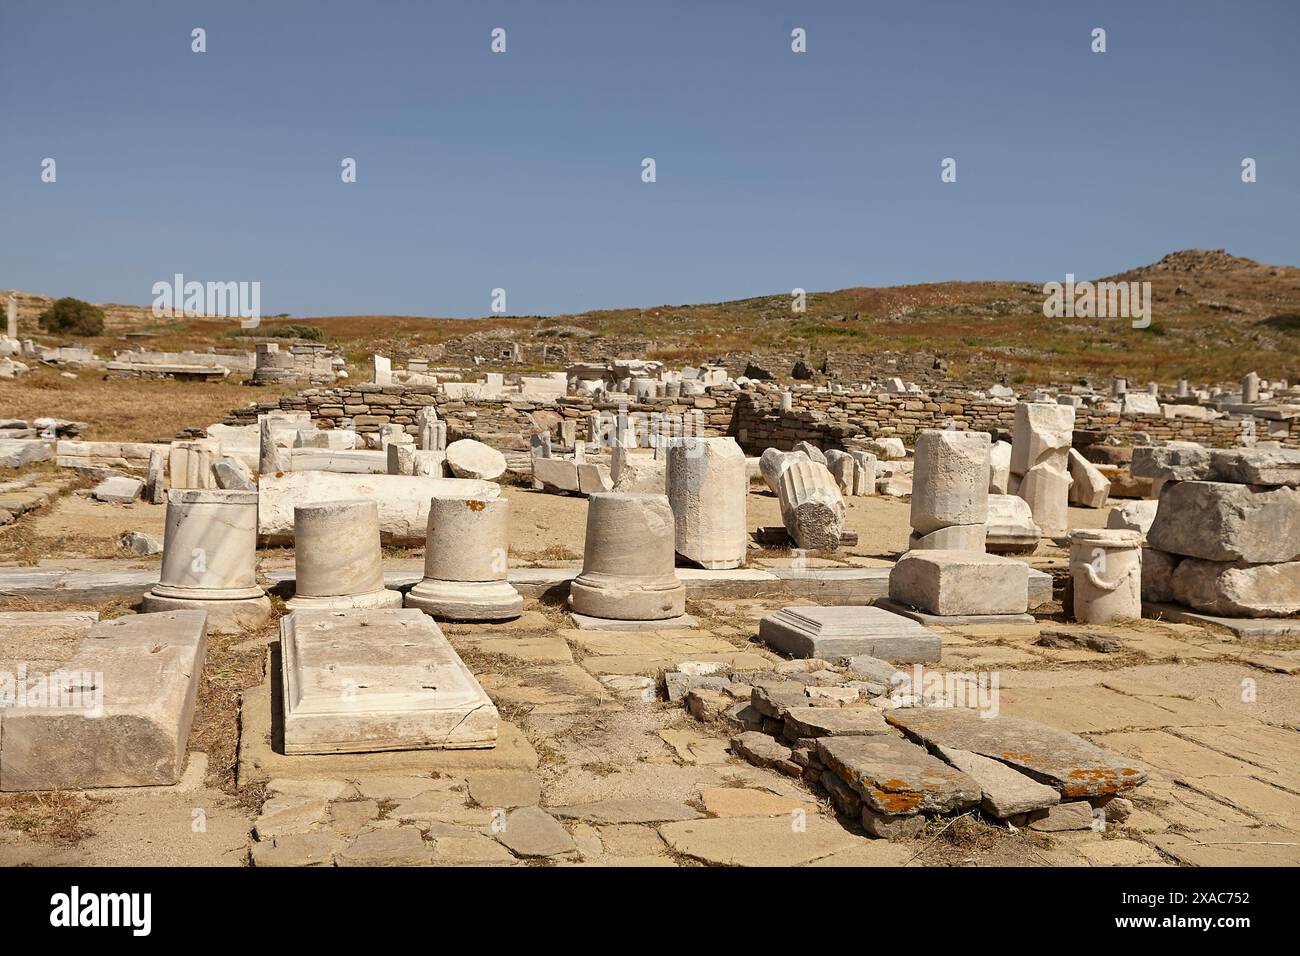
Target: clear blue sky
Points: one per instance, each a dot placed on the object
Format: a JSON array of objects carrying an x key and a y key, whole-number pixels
[{"x": 523, "y": 170}]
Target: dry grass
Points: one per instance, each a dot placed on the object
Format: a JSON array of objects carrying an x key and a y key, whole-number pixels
[
  {"x": 55, "y": 816},
  {"x": 126, "y": 409}
]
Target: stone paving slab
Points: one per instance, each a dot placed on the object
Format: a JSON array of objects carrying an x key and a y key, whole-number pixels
[
  {"x": 1244, "y": 628},
  {"x": 1075, "y": 767},
  {"x": 551, "y": 689},
  {"x": 758, "y": 841},
  {"x": 1091, "y": 709},
  {"x": 1232, "y": 846},
  {"x": 627, "y": 810}
]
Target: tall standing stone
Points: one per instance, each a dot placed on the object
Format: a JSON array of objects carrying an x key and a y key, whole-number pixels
[
  {"x": 1040, "y": 448},
  {"x": 627, "y": 567},
  {"x": 11, "y": 315},
  {"x": 707, "y": 485},
  {"x": 1250, "y": 388},
  {"x": 950, "y": 490},
  {"x": 270, "y": 458},
  {"x": 210, "y": 560}
]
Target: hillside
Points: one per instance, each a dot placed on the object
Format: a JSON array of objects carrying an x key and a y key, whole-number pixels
[{"x": 1215, "y": 316}]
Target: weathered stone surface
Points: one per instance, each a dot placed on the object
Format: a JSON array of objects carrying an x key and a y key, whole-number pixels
[
  {"x": 1133, "y": 516},
  {"x": 955, "y": 537},
  {"x": 1217, "y": 521},
  {"x": 118, "y": 490},
  {"x": 1007, "y": 792},
  {"x": 960, "y": 582},
  {"x": 1071, "y": 815},
  {"x": 812, "y": 508},
  {"x": 841, "y": 631},
  {"x": 759, "y": 749},
  {"x": 1010, "y": 527},
  {"x": 804, "y": 722},
  {"x": 531, "y": 832},
  {"x": 504, "y": 788},
  {"x": 772, "y": 463},
  {"x": 136, "y": 680},
  {"x": 1158, "y": 575},
  {"x": 137, "y": 542},
  {"x": 999, "y": 467},
  {"x": 370, "y": 680},
  {"x": 748, "y": 802},
  {"x": 895, "y": 777},
  {"x": 1237, "y": 588},
  {"x": 950, "y": 480},
  {"x": 1075, "y": 767},
  {"x": 401, "y": 846},
  {"x": 232, "y": 474},
  {"x": 468, "y": 458},
  {"x": 811, "y": 450},
  {"x": 297, "y": 849},
  {"x": 1042, "y": 434},
  {"x": 886, "y": 826},
  {"x": 627, "y": 810},
  {"x": 757, "y": 841},
  {"x": 1246, "y": 466},
  {"x": 707, "y": 484},
  {"x": 16, "y": 452},
  {"x": 1089, "y": 488},
  {"x": 403, "y": 500}
]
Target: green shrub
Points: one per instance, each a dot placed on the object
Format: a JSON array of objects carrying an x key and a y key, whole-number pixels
[{"x": 69, "y": 316}]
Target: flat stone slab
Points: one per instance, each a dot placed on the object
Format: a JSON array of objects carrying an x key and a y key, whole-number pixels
[
  {"x": 1070, "y": 764},
  {"x": 848, "y": 631},
  {"x": 897, "y": 778},
  {"x": 759, "y": 841},
  {"x": 588, "y": 623},
  {"x": 1246, "y": 628},
  {"x": 531, "y": 832},
  {"x": 366, "y": 680},
  {"x": 627, "y": 810},
  {"x": 802, "y": 722},
  {"x": 126, "y": 703},
  {"x": 1007, "y": 792},
  {"x": 950, "y": 620}
]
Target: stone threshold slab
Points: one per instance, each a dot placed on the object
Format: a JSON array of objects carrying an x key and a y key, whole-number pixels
[
  {"x": 825, "y": 585},
  {"x": 1243, "y": 628},
  {"x": 585, "y": 622},
  {"x": 377, "y": 679},
  {"x": 951, "y": 620},
  {"x": 262, "y": 756}
]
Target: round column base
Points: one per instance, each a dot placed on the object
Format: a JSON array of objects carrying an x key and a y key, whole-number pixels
[
  {"x": 626, "y": 600},
  {"x": 225, "y": 616},
  {"x": 466, "y": 600},
  {"x": 343, "y": 602}
]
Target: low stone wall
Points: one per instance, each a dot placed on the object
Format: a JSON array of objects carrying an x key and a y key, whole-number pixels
[
  {"x": 827, "y": 419},
  {"x": 753, "y": 418},
  {"x": 505, "y": 424}
]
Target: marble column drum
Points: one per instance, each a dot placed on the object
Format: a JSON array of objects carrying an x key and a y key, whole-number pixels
[
  {"x": 210, "y": 560},
  {"x": 465, "y": 562},
  {"x": 337, "y": 556},
  {"x": 628, "y": 558}
]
